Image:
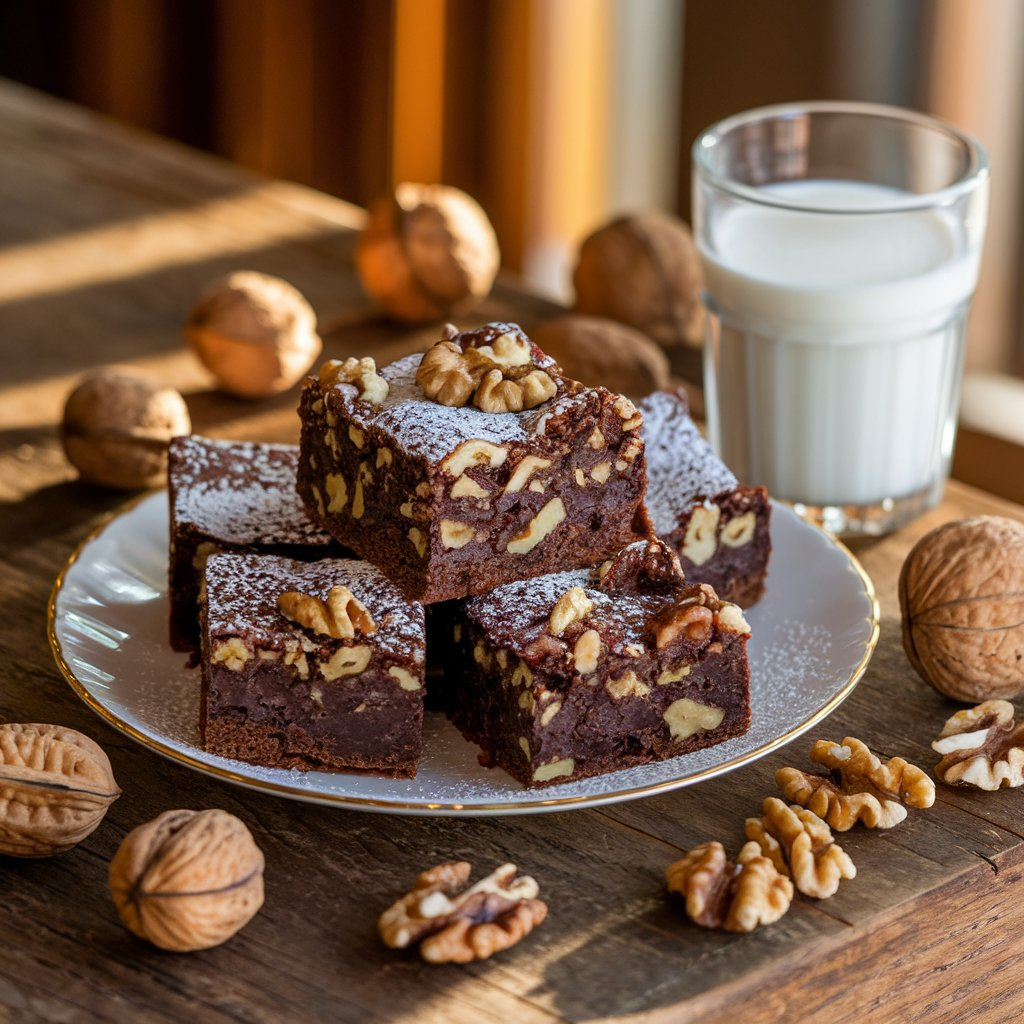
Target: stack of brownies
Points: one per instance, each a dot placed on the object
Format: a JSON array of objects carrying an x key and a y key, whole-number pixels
[{"x": 473, "y": 505}]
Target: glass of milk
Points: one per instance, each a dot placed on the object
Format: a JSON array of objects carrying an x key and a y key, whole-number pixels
[{"x": 841, "y": 244}]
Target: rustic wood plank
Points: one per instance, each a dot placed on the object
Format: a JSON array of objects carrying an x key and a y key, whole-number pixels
[{"x": 129, "y": 229}]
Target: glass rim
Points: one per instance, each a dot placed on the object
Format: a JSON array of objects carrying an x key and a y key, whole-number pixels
[{"x": 977, "y": 171}]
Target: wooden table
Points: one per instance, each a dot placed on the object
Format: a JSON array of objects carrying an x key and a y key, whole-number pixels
[{"x": 107, "y": 237}]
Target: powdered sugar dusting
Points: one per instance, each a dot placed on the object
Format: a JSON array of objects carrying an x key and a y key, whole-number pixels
[
  {"x": 682, "y": 468},
  {"x": 240, "y": 492},
  {"x": 430, "y": 430},
  {"x": 242, "y": 593}
]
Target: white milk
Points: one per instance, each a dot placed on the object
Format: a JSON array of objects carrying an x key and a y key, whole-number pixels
[{"x": 841, "y": 341}]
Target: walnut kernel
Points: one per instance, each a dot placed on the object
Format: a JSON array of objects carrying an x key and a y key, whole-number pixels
[
  {"x": 187, "y": 880},
  {"x": 454, "y": 923},
  {"x": 340, "y": 616},
  {"x": 737, "y": 897},
  {"x": 361, "y": 373},
  {"x": 981, "y": 747}
]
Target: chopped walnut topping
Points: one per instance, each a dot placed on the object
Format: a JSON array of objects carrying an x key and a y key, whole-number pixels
[
  {"x": 361, "y": 373},
  {"x": 982, "y": 747},
  {"x": 341, "y": 616},
  {"x": 800, "y": 845},
  {"x": 496, "y": 368},
  {"x": 456, "y": 924},
  {"x": 737, "y": 897},
  {"x": 572, "y": 606},
  {"x": 862, "y": 787}
]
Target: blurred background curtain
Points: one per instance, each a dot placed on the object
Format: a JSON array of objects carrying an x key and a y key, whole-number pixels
[{"x": 555, "y": 114}]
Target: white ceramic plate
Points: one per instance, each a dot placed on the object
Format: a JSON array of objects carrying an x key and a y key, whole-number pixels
[{"x": 813, "y": 634}]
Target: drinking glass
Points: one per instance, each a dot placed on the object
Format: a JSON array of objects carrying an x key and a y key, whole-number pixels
[{"x": 841, "y": 244}]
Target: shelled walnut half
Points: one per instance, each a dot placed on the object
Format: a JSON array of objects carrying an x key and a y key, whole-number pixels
[
  {"x": 982, "y": 747},
  {"x": 456, "y": 923},
  {"x": 720, "y": 894},
  {"x": 800, "y": 845},
  {"x": 862, "y": 787}
]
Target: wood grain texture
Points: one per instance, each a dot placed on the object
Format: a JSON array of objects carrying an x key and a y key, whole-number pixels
[{"x": 931, "y": 929}]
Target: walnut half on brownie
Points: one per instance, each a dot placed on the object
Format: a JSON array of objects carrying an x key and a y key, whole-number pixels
[
  {"x": 579, "y": 673},
  {"x": 311, "y": 665},
  {"x": 718, "y": 527},
  {"x": 471, "y": 465}
]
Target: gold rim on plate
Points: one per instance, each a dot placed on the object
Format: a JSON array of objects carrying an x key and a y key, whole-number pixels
[{"x": 439, "y": 808}]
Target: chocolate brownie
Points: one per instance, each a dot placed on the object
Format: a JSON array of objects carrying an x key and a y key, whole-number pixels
[
  {"x": 455, "y": 499},
  {"x": 310, "y": 665},
  {"x": 719, "y": 528},
  {"x": 584, "y": 672},
  {"x": 231, "y": 496}
]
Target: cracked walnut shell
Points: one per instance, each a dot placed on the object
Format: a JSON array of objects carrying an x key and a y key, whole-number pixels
[
  {"x": 862, "y": 787},
  {"x": 454, "y": 923},
  {"x": 962, "y": 600},
  {"x": 427, "y": 251},
  {"x": 55, "y": 788},
  {"x": 982, "y": 747},
  {"x": 254, "y": 332},
  {"x": 188, "y": 879},
  {"x": 737, "y": 897}
]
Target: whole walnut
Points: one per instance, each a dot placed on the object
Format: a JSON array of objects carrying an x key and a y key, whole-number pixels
[
  {"x": 427, "y": 251},
  {"x": 643, "y": 270},
  {"x": 55, "y": 788},
  {"x": 254, "y": 332},
  {"x": 596, "y": 350},
  {"x": 116, "y": 428},
  {"x": 962, "y": 601},
  {"x": 187, "y": 880}
]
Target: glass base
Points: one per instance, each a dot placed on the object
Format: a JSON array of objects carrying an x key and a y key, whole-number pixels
[{"x": 874, "y": 520}]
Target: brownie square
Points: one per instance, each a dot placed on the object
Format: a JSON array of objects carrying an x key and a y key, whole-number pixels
[
  {"x": 231, "y": 496},
  {"x": 453, "y": 500},
  {"x": 579, "y": 673},
  {"x": 342, "y": 692},
  {"x": 719, "y": 528}
]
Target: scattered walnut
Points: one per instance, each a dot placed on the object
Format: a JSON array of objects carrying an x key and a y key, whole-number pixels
[
  {"x": 427, "y": 251},
  {"x": 188, "y": 879},
  {"x": 116, "y": 428},
  {"x": 981, "y": 747},
  {"x": 341, "y": 616},
  {"x": 456, "y": 924},
  {"x": 598, "y": 351},
  {"x": 55, "y": 788},
  {"x": 962, "y": 601},
  {"x": 643, "y": 270},
  {"x": 737, "y": 897},
  {"x": 496, "y": 366},
  {"x": 801, "y": 846},
  {"x": 862, "y": 788},
  {"x": 572, "y": 606},
  {"x": 255, "y": 333},
  {"x": 360, "y": 373}
]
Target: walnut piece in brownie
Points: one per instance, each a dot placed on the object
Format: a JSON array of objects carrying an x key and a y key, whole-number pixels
[
  {"x": 719, "y": 529},
  {"x": 584, "y": 672},
  {"x": 231, "y": 496},
  {"x": 508, "y": 471},
  {"x": 311, "y": 665}
]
